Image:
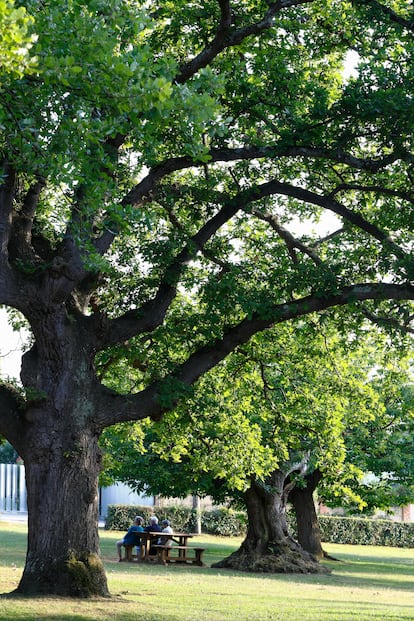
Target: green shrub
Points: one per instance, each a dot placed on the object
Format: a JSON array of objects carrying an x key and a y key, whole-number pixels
[
  {"x": 365, "y": 531},
  {"x": 361, "y": 531},
  {"x": 224, "y": 522},
  {"x": 120, "y": 517}
]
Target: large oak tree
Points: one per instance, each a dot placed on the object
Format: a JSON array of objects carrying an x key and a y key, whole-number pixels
[{"x": 164, "y": 175}]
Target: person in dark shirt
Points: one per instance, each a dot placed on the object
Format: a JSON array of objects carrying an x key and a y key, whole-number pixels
[
  {"x": 131, "y": 538},
  {"x": 153, "y": 527}
]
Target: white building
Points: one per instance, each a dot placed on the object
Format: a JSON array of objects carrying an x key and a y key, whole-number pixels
[{"x": 13, "y": 498}]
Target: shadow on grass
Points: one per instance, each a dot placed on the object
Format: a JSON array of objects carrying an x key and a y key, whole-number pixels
[
  {"x": 354, "y": 571},
  {"x": 126, "y": 616},
  {"x": 13, "y": 546}
]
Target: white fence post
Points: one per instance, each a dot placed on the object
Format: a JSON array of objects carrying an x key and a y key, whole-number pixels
[
  {"x": 2, "y": 486},
  {"x": 13, "y": 495},
  {"x": 8, "y": 499},
  {"x": 22, "y": 489}
]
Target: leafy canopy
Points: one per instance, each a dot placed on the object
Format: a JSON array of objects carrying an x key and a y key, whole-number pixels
[
  {"x": 302, "y": 394},
  {"x": 169, "y": 169},
  {"x": 15, "y": 41}
]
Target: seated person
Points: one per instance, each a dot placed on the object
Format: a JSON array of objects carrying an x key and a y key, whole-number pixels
[
  {"x": 166, "y": 528},
  {"x": 131, "y": 538},
  {"x": 153, "y": 527}
]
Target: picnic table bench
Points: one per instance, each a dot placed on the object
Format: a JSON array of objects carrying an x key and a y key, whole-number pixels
[{"x": 180, "y": 554}]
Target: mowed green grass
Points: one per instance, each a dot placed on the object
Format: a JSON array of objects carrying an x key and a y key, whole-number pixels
[{"x": 367, "y": 583}]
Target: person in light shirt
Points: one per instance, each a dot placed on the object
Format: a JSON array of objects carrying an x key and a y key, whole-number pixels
[{"x": 166, "y": 528}]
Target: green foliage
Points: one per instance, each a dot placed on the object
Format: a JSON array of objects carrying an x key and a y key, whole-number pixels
[
  {"x": 305, "y": 389},
  {"x": 110, "y": 111},
  {"x": 15, "y": 41},
  {"x": 107, "y": 71},
  {"x": 224, "y": 522},
  {"x": 360, "y": 531},
  {"x": 8, "y": 455},
  {"x": 382, "y": 447}
]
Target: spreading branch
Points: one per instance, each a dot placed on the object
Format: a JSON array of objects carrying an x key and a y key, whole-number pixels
[
  {"x": 287, "y": 189},
  {"x": 152, "y": 313},
  {"x": 390, "y": 13},
  {"x": 145, "y": 188},
  {"x": 226, "y": 36},
  {"x": 21, "y": 238},
  {"x": 292, "y": 243},
  {"x": 147, "y": 403}
]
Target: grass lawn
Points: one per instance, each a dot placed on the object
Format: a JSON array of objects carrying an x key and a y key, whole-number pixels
[{"x": 368, "y": 583}]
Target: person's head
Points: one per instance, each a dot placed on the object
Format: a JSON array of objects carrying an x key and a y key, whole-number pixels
[
  {"x": 154, "y": 520},
  {"x": 138, "y": 520},
  {"x": 165, "y": 523}
]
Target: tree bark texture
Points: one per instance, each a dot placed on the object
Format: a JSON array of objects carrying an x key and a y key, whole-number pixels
[
  {"x": 308, "y": 532},
  {"x": 56, "y": 433},
  {"x": 268, "y": 547},
  {"x": 63, "y": 555}
]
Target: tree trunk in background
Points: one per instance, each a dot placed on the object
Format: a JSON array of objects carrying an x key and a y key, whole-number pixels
[
  {"x": 309, "y": 535},
  {"x": 268, "y": 546}
]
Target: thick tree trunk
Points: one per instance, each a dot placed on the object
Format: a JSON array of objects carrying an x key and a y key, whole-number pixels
[
  {"x": 268, "y": 546},
  {"x": 59, "y": 445},
  {"x": 63, "y": 555},
  {"x": 308, "y": 532}
]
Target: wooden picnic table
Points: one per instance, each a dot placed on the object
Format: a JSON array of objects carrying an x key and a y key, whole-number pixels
[
  {"x": 148, "y": 539},
  {"x": 167, "y": 552}
]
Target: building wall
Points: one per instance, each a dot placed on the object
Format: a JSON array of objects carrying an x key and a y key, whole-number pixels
[
  {"x": 121, "y": 494},
  {"x": 13, "y": 497}
]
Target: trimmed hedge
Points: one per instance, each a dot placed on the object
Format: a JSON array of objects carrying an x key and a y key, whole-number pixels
[
  {"x": 222, "y": 521},
  {"x": 230, "y": 523},
  {"x": 362, "y": 531},
  {"x": 365, "y": 531}
]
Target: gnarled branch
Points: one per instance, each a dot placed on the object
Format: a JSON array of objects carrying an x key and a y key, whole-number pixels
[{"x": 147, "y": 403}]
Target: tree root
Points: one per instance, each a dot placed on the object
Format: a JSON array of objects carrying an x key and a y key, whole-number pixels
[{"x": 288, "y": 562}]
